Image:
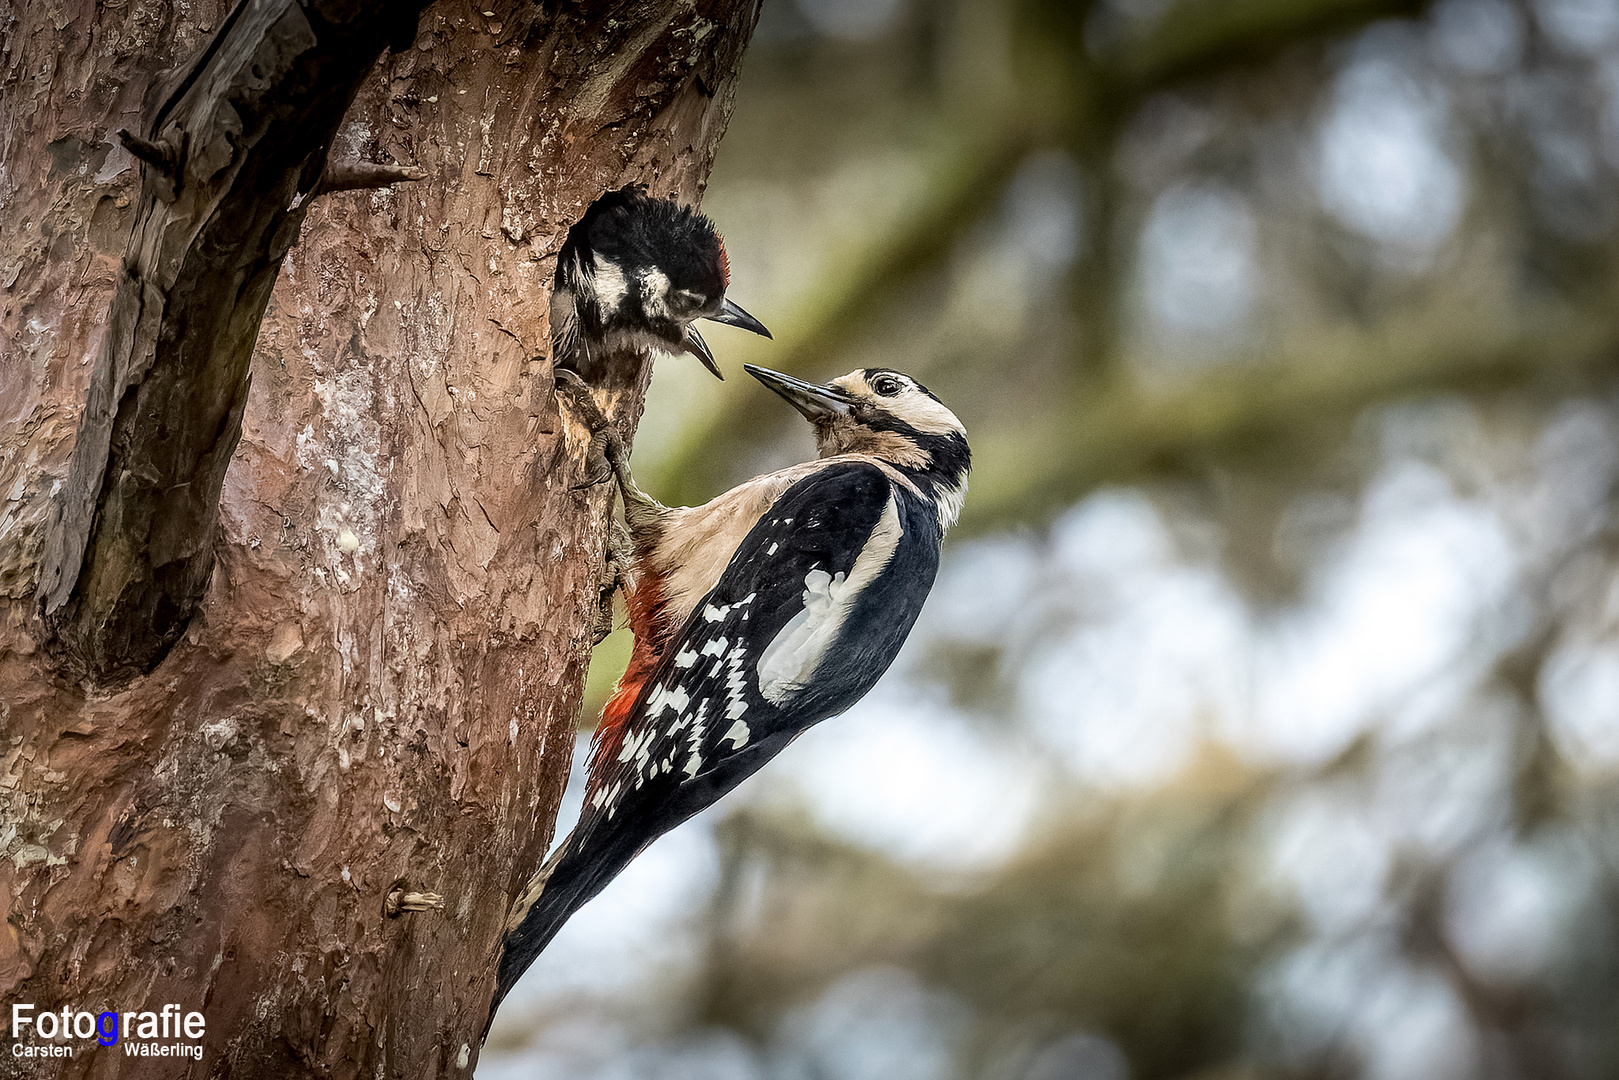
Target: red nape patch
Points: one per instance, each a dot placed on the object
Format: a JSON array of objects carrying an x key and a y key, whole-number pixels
[
  {"x": 649, "y": 624},
  {"x": 725, "y": 262}
]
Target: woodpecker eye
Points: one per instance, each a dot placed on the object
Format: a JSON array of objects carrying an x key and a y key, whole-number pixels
[{"x": 887, "y": 385}]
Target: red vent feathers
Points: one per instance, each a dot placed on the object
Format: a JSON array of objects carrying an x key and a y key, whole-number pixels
[{"x": 650, "y": 625}]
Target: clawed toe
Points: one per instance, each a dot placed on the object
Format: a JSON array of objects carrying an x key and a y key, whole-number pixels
[
  {"x": 599, "y": 470},
  {"x": 606, "y": 444}
]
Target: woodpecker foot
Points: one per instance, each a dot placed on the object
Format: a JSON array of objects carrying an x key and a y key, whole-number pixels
[
  {"x": 607, "y": 446},
  {"x": 607, "y": 453}
]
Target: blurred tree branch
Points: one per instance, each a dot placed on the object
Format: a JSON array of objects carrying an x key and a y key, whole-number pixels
[
  {"x": 1194, "y": 40},
  {"x": 843, "y": 305},
  {"x": 1126, "y": 428},
  {"x": 1095, "y": 97}
]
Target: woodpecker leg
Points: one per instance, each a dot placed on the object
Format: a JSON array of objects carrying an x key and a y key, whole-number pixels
[
  {"x": 640, "y": 509},
  {"x": 616, "y": 574}
]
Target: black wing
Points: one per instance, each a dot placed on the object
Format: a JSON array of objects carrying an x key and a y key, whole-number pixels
[
  {"x": 708, "y": 719},
  {"x": 710, "y": 705}
]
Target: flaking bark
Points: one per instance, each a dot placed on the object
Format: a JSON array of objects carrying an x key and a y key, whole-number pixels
[
  {"x": 231, "y": 158},
  {"x": 307, "y": 818}
]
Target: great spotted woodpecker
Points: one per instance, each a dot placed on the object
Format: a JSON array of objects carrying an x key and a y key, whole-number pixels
[
  {"x": 756, "y": 615},
  {"x": 634, "y": 274}
]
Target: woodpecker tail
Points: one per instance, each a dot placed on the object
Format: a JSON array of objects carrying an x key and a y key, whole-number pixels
[{"x": 570, "y": 878}]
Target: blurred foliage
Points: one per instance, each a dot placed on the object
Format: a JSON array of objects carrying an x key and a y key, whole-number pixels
[
  {"x": 1072, "y": 933},
  {"x": 1257, "y": 260}
]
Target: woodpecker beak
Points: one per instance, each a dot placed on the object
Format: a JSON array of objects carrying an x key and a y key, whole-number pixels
[
  {"x": 733, "y": 315},
  {"x": 815, "y": 402},
  {"x": 699, "y": 348}
]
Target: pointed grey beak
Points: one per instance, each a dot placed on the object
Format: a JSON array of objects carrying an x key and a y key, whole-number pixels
[
  {"x": 699, "y": 348},
  {"x": 733, "y": 315},
  {"x": 815, "y": 402}
]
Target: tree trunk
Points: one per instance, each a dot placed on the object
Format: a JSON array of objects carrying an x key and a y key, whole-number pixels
[{"x": 253, "y": 719}]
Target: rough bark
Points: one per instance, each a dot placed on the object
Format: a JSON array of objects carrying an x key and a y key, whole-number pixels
[
  {"x": 375, "y": 695},
  {"x": 233, "y": 152}
]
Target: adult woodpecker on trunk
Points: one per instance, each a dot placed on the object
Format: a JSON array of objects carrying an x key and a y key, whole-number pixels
[
  {"x": 634, "y": 274},
  {"x": 756, "y": 615}
]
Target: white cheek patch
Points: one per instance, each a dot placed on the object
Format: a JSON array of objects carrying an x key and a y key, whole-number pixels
[
  {"x": 790, "y": 660},
  {"x": 611, "y": 288},
  {"x": 926, "y": 414},
  {"x": 922, "y": 411}
]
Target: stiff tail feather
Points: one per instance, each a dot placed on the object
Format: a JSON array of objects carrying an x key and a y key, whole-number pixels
[{"x": 569, "y": 880}]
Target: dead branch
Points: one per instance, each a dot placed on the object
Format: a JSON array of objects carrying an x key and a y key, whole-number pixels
[
  {"x": 159, "y": 155},
  {"x": 355, "y": 175}
]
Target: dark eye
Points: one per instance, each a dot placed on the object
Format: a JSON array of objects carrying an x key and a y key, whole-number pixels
[{"x": 887, "y": 385}]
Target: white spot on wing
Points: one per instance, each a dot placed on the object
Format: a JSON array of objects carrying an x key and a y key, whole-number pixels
[
  {"x": 738, "y": 734},
  {"x": 635, "y": 745},
  {"x": 699, "y": 729},
  {"x": 663, "y": 699}
]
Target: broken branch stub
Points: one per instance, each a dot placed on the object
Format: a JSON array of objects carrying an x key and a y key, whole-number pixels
[
  {"x": 232, "y": 158},
  {"x": 357, "y": 175}
]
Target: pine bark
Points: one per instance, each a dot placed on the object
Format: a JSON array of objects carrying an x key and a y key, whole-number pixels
[{"x": 296, "y": 586}]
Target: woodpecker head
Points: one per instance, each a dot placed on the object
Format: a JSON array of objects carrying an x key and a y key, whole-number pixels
[
  {"x": 642, "y": 270},
  {"x": 887, "y": 415}
]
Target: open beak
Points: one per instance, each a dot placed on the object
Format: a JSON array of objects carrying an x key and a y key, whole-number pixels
[
  {"x": 733, "y": 315},
  {"x": 699, "y": 348},
  {"x": 815, "y": 402},
  {"x": 730, "y": 315}
]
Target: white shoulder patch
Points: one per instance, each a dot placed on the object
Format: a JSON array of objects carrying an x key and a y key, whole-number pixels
[{"x": 788, "y": 663}]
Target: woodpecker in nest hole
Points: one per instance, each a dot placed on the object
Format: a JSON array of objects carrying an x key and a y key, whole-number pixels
[
  {"x": 756, "y": 615},
  {"x": 634, "y": 274}
]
